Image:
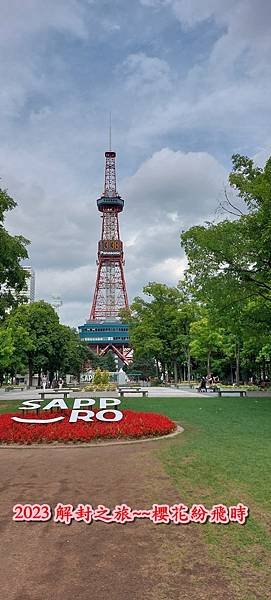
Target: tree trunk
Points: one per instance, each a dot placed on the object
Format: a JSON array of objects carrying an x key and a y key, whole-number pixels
[
  {"x": 209, "y": 362},
  {"x": 188, "y": 366},
  {"x": 30, "y": 370},
  {"x": 237, "y": 373},
  {"x": 175, "y": 372}
]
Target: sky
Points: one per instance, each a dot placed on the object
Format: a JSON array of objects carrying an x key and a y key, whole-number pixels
[{"x": 188, "y": 83}]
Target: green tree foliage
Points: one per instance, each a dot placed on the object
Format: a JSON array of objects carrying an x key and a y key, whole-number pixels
[
  {"x": 219, "y": 318},
  {"x": 76, "y": 353},
  {"x": 40, "y": 323},
  {"x": 12, "y": 251},
  {"x": 160, "y": 327},
  {"x": 236, "y": 254},
  {"x": 42, "y": 344},
  {"x": 206, "y": 341},
  {"x": 229, "y": 263},
  {"x": 144, "y": 366},
  {"x": 107, "y": 362},
  {"x": 6, "y": 352}
]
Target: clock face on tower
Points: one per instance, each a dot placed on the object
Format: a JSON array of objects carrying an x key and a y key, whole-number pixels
[{"x": 109, "y": 246}]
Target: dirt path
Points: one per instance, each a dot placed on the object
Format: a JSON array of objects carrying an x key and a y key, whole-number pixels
[{"x": 135, "y": 561}]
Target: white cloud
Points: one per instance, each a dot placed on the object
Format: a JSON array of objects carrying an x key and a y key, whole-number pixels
[
  {"x": 168, "y": 192},
  {"x": 32, "y": 17},
  {"x": 185, "y": 184},
  {"x": 226, "y": 93},
  {"x": 146, "y": 74},
  {"x": 65, "y": 67}
]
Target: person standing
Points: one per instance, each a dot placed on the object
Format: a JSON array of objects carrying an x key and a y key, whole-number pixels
[{"x": 44, "y": 382}]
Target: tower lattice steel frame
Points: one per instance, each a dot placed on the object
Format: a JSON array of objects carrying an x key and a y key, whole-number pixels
[
  {"x": 105, "y": 330},
  {"x": 110, "y": 294}
]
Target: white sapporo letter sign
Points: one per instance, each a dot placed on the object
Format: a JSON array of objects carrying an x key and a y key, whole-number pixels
[{"x": 79, "y": 410}]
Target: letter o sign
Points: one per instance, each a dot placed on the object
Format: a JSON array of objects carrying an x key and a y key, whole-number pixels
[{"x": 100, "y": 415}]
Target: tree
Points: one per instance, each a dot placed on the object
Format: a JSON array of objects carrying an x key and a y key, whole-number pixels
[
  {"x": 236, "y": 253},
  {"x": 12, "y": 251},
  {"x": 206, "y": 340},
  {"x": 40, "y": 325},
  {"x": 76, "y": 353},
  {"x": 143, "y": 366},
  {"x": 6, "y": 352},
  {"x": 107, "y": 362},
  {"x": 229, "y": 263},
  {"x": 160, "y": 327},
  {"x": 43, "y": 344}
]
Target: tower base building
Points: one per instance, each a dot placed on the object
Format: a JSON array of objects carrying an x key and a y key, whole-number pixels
[{"x": 108, "y": 335}]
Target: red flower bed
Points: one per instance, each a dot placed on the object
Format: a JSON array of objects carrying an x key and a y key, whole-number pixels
[{"x": 133, "y": 425}]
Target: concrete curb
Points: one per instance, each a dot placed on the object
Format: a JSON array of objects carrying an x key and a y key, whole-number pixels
[{"x": 91, "y": 445}]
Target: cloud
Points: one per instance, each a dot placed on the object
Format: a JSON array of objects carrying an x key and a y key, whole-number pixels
[
  {"x": 144, "y": 74},
  {"x": 188, "y": 84},
  {"x": 25, "y": 28},
  {"x": 32, "y": 17},
  {"x": 244, "y": 26},
  {"x": 225, "y": 91},
  {"x": 175, "y": 182},
  {"x": 167, "y": 193}
]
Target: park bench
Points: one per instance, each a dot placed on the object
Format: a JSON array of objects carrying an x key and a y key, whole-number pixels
[
  {"x": 211, "y": 388},
  {"x": 9, "y": 389},
  {"x": 123, "y": 391},
  {"x": 241, "y": 392},
  {"x": 55, "y": 391}
]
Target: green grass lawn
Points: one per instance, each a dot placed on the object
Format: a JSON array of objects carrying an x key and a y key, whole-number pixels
[{"x": 223, "y": 456}]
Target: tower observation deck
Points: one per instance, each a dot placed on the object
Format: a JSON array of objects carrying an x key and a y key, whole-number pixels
[{"x": 104, "y": 329}]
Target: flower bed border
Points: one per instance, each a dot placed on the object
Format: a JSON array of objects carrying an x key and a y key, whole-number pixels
[{"x": 94, "y": 444}]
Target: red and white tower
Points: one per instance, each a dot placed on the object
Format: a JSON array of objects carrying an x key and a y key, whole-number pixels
[
  {"x": 110, "y": 290},
  {"x": 104, "y": 330}
]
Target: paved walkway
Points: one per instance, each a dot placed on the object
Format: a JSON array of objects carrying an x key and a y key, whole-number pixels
[
  {"x": 135, "y": 561},
  {"x": 153, "y": 392}
]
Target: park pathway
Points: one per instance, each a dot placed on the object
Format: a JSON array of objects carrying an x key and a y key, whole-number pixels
[
  {"x": 135, "y": 561},
  {"x": 153, "y": 392}
]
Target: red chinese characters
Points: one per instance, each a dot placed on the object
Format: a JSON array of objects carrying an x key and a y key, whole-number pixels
[{"x": 177, "y": 514}]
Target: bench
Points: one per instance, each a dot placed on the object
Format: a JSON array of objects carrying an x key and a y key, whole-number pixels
[
  {"x": 241, "y": 392},
  {"x": 123, "y": 391},
  {"x": 9, "y": 389},
  {"x": 56, "y": 391},
  {"x": 212, "y": 388}
]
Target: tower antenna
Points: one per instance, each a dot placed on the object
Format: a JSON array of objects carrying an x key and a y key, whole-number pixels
[{"x": 110, "y": 130}]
